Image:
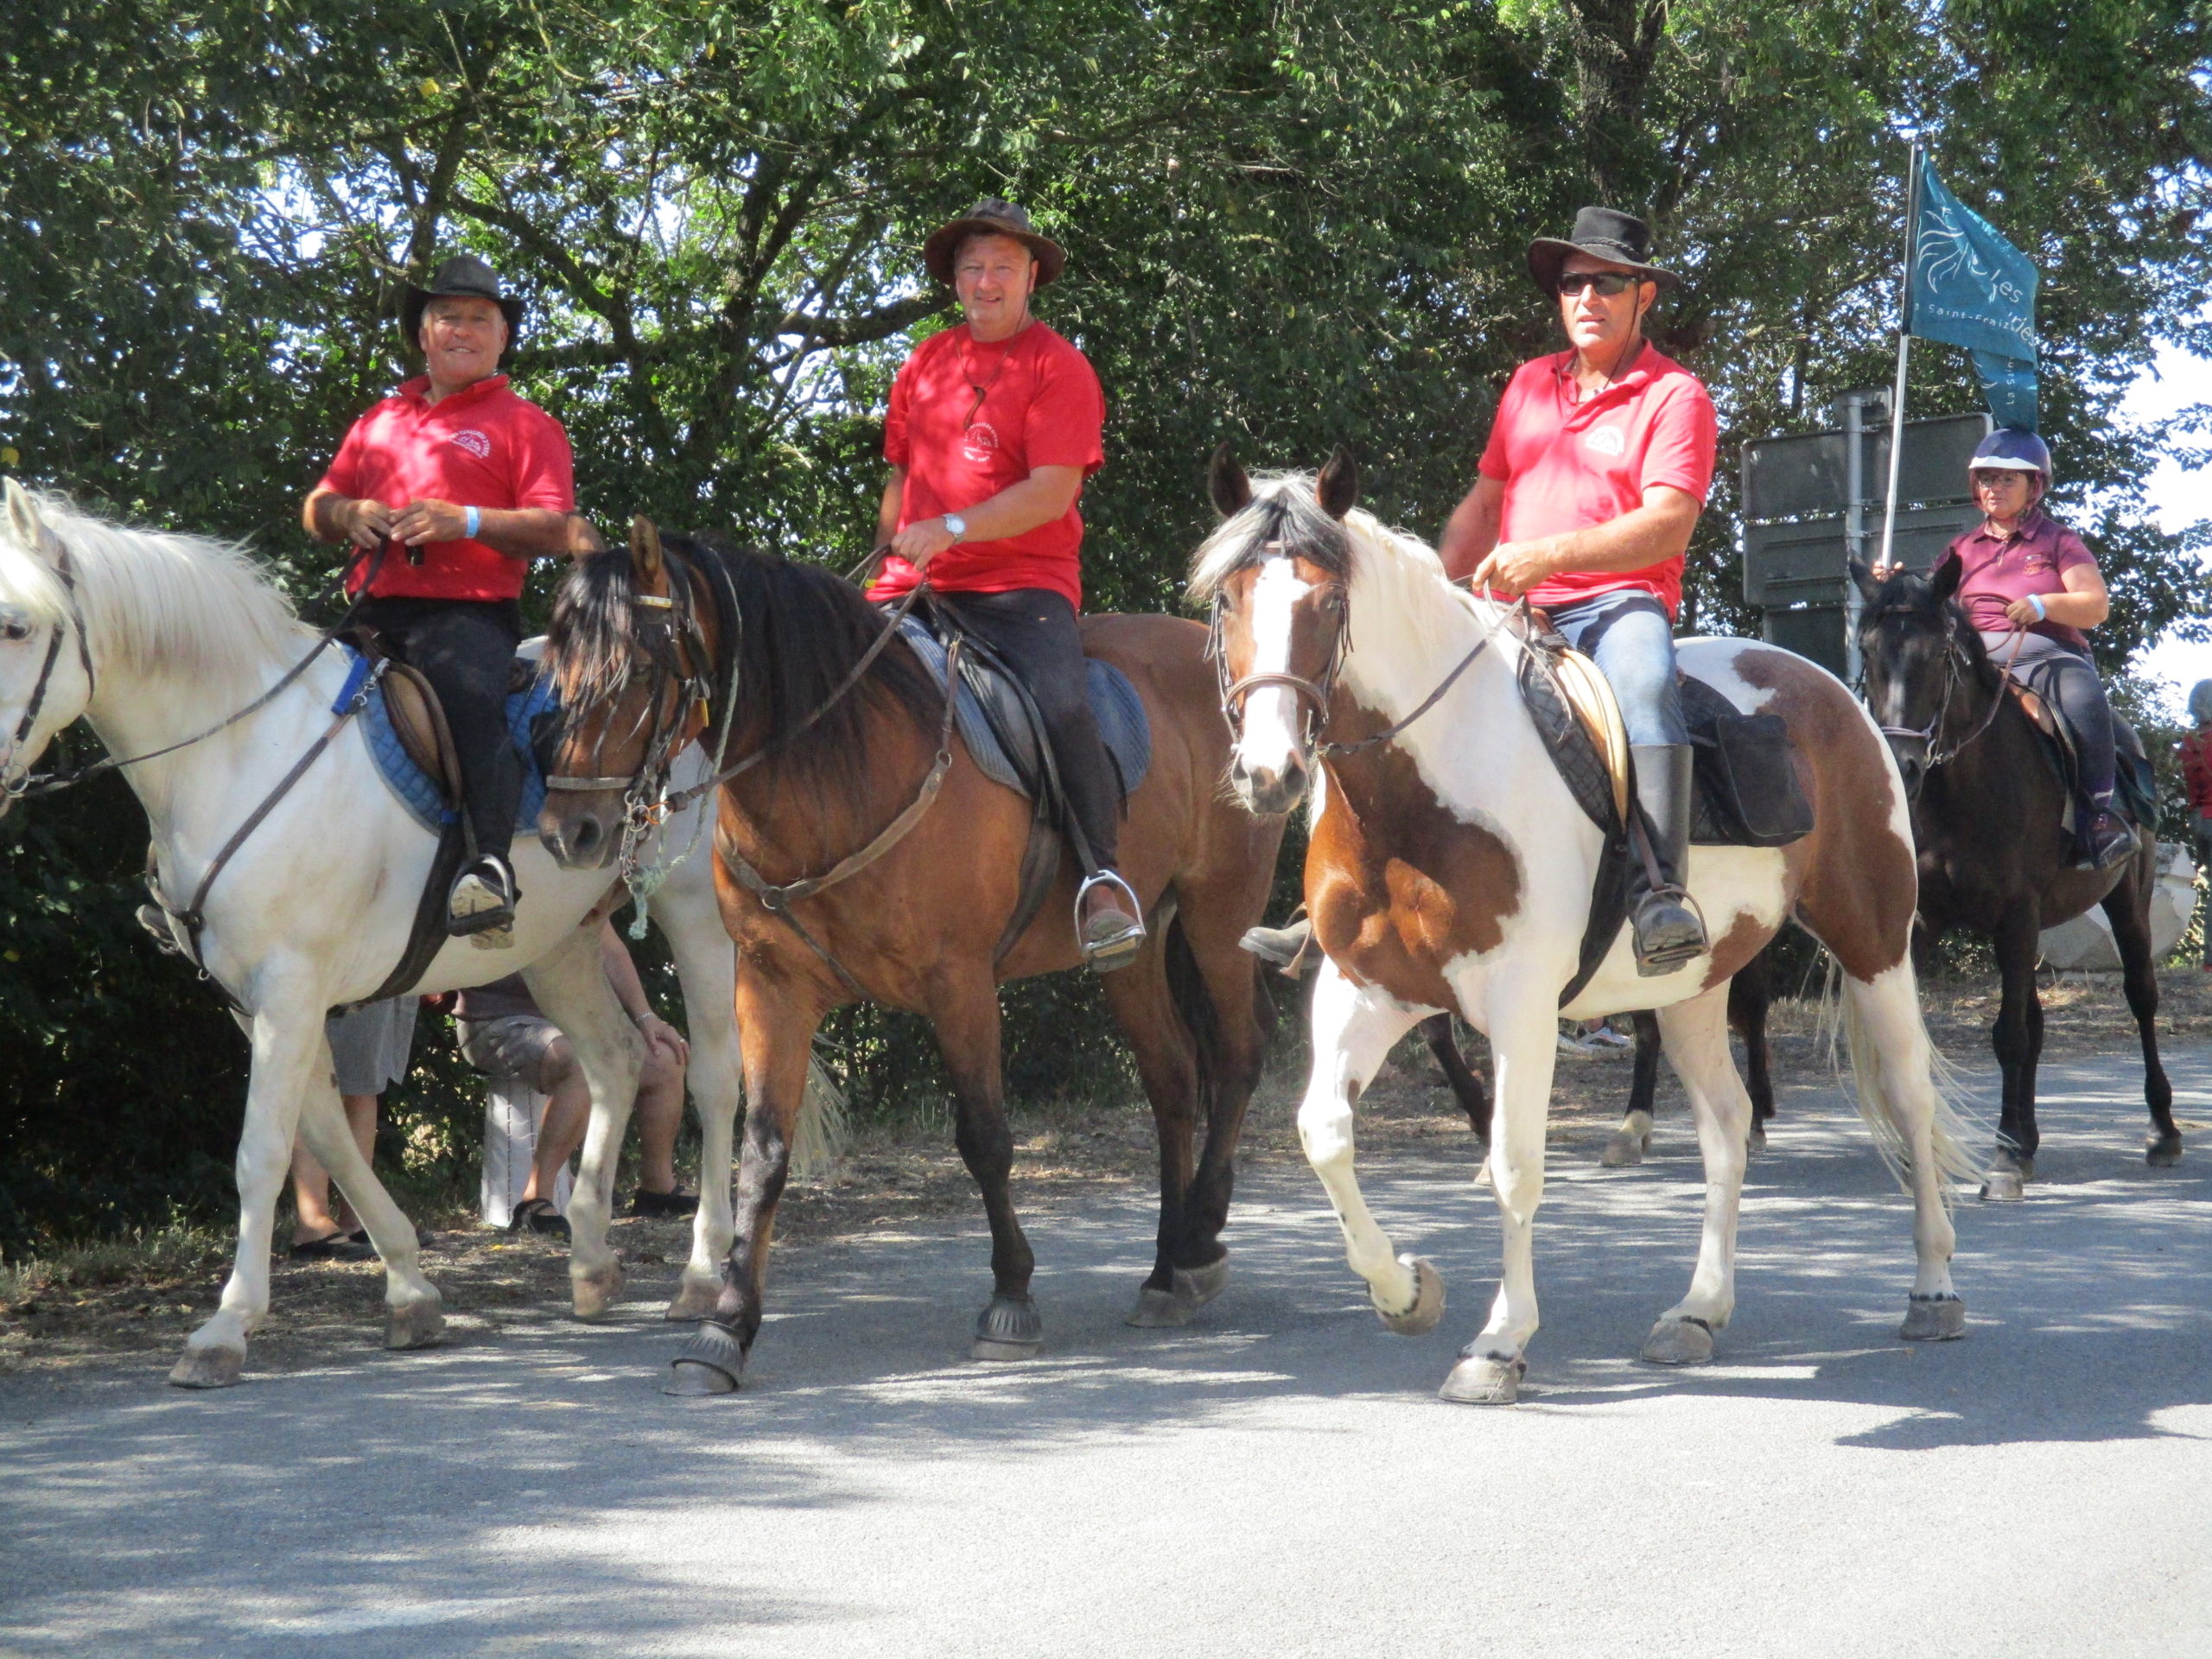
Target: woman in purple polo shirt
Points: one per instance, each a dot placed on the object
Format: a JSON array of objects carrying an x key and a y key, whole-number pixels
[{"x": 2032, "y": 590}]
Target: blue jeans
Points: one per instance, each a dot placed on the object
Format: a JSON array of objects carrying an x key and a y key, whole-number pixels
[{"x": 1628, "y": 635}]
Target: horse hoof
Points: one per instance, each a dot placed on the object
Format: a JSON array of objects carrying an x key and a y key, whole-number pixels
[
  {"x": 596, "y": 1293},
  {"x": 2163, "y": 1151},
  {"x": 2003, "y": 1186},
  {"x": 208, "y": 1368},
  {"x": 1196, "y": 1286},
  {"x": 1010, "y": 1328},
  {"x": 1429, "y": 1300},
  {"x": 1678, "y": 1342},
  {"x": 1933, "y": 1318},
  {"x": 418, "y": 1324},
  {"x": 694, "y": 1300},
  {"x": 1478, "y": 1380},
  {"x": 711, "y": 1363},
  {"x": 1160, "y": 1310},
  {"x": 1756, "y": 1141},
  {"x": 1625, "y": 1148}
]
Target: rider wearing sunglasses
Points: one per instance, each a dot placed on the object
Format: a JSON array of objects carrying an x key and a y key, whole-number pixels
[{"x": 1593, "y": 478}]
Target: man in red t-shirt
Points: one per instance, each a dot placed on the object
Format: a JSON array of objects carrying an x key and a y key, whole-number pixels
[
  {"x": 1596, "y": 470},
  {"x": 993, "y": 425},
  {"x": 445, "y": 490}
]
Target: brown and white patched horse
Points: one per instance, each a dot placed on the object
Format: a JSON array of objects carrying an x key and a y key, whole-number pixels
[
  {"x": 1450, "y": 868},
  {"x": 892, "y": 864}
]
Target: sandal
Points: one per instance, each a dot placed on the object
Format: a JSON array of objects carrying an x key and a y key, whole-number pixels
[
  {"x": 673, "y": 1204},
  {"x": 538, "y": 1216},
  {"x": 331, "y": 1247}
]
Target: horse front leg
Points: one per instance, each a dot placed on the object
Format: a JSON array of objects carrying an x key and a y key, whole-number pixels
[
  {"x": 1353, "y": 1029},
  {"x": 290, "y": 1053},
  {"x": 1632, "y": 1140},
  {"x": 1524, "y": 1045},
  {"x": 705, "y": 963},
  {"x": 1697, "y": 1035},
  {"x": 2016, "y": 1038},
  {"x": 2125, "y": 906},
  {"x": 776, "y": 1022},
  {"x": 569, "y": 983},
  {"x": 414, "y": 1312},
  {"x": 1459, "y": 1077}
]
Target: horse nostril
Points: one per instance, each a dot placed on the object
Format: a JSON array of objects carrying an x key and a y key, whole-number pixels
[{"x": 583, "y": 835}]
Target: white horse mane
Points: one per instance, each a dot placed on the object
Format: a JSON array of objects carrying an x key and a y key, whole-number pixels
[{"x": 154, "y": 601}]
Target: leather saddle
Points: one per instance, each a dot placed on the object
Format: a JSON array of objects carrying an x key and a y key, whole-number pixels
[
  {"x": 418, "y": 720},
  {"x": 2136, "y": 796}
]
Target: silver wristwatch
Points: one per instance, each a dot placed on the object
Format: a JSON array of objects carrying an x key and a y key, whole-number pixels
[{"x": 956, "y": 525}]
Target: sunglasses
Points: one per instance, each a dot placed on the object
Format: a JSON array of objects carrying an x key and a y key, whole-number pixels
[{"x": 1607, "y": 283}]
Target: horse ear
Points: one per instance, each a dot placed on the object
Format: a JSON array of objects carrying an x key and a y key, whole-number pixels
[
  {"x": 23, "y": 518},
  {"x": 645, "y": 546},
  {"x": 1863, "y": 579},
  {"x": 1227, "y": 484},
  {"x": 1338, "y": 486},
  {"x": 1943, "y": 581}
]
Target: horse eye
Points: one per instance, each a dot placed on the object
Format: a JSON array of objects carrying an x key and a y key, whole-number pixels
[{"x": 14, "y": 628}]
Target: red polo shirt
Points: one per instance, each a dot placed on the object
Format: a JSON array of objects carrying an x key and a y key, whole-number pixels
[
  {"x": 481, "y": 447},
  {"x": 1567, "y": 466},
  {"x": 1994, "y": 571},
  {"x": 968, "y": 421}
]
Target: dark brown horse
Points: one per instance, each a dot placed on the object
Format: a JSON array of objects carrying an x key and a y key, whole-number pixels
[
  {"x": 1986, "y": 800},
  {"x": 857, "y": 778}
]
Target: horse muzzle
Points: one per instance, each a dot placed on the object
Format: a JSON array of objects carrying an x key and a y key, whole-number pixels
[
  {"x": 581, "y": 835},
  {"x": 1269, "y": 791}
]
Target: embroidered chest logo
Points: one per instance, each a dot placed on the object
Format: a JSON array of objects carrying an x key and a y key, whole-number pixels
[
  {"x": 1604, "y": 440},
  {"x": 472, "y": 440},
  {"x": 979, "y": 443}
]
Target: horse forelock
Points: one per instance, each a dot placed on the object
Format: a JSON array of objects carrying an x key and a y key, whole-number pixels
[
  {"x": 154, "y": 601},
  {"x": 588, "y": 639},
  {"x": 1284, "y": 513}
]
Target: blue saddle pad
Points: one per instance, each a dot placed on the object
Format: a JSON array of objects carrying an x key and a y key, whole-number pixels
[
  {"x": 414, "y": 785},
  {"x": 1122, "y": 722}
]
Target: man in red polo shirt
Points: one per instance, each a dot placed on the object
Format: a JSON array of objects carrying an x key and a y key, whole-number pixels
[
  {"x": 445, "y": 490},
  {"x": 993, "y": 425},
  {"x": 1595, "y": 473}
]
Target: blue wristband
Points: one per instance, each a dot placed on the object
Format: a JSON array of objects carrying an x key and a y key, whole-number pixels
[
  {"x": 475, "y": 522},
  {"x": 2036, "y": 600}
]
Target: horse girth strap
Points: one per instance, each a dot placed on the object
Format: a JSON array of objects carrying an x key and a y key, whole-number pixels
[{"x": 777, "y": 899}]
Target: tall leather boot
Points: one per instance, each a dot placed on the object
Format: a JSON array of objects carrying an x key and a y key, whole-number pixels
[{"x": 1667, "y": 931}]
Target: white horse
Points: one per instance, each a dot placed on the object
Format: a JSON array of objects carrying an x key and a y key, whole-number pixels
[
  {"x": 155, "y": 636},
  {"x": 1450, "y": 867}
]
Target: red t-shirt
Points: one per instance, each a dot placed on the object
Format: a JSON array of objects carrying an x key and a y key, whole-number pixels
[
  {"x": 481, "y": 447},
  {"x": 1567, "y": 466},
  {"x": 2034, "y": 559},
  {"x": 2196, "y": 770},
  {"x": 968, "y": 421}
]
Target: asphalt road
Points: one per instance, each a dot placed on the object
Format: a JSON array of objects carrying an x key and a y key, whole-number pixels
[{"x": 1279, "y": 1479}]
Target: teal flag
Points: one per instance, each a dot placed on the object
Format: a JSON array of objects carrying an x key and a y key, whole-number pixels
[{"x": 1967, "y": 286}]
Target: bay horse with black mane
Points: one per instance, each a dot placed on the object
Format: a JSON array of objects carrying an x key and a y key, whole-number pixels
[
  {"x": 860, "y": 852},
  {"x": 1986, "y": 805},
  {"x": 1450, "y": 867}
]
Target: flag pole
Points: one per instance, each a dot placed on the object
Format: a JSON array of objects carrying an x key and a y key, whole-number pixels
[{"x": 1904, "y": 347}]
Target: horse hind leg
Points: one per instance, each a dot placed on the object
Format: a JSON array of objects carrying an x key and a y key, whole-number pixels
[
  {"x": 966, "y": 1019},
  {"x": 1466, "y": 1088},
  {"x": 1696, "y": 1033},
  {"x": 1353, "y": 1031},
  {"x": 1749, "y": 995},
  {"x": 414, "y": 1312},
  {"x": 1632, "y": 1140},
  {"x": 2125, "y": 907},
  {"x": 2017, "y": 1038},
  {"x": 1167, "y": 1065}
]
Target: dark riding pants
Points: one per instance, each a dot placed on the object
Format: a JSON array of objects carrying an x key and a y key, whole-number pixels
[
  {"x": 1034, "y": 630},
  {"x": 466, "y": 648},
  {"x": 2080, "y": 693}
]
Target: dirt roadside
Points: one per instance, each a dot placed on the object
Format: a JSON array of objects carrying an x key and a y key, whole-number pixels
[{"x": 125, "y": 1311}]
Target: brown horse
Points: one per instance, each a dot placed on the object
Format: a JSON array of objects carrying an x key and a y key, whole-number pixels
[
  {"x": 862, "y": 853},
  {"x": 1450, "y": 868}
]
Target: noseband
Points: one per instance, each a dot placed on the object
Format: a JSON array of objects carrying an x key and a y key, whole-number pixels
[{"x": 1955, "y": 664}]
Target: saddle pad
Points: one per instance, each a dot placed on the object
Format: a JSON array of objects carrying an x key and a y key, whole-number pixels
[
  {"x": 2136, "y": 798},
  {"x": 1122, "y": 723},
  {"x": 416, "y": 787}
]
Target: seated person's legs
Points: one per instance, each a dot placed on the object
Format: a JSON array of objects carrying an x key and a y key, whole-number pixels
[
  {"x": 2100, "y": 838},
  {"x": 660, "y": 1116},
  {"x": 529, "y": 1049}
]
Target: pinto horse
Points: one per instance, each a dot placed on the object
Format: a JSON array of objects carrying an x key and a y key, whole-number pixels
[
  {"x": 156, "y": 639},
  {"x": 1986, "y": 801},
  {"x": 1450, "y": 868},
  {"x": 891, "y": 867}
]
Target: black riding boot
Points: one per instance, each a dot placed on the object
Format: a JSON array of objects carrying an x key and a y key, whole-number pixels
[{"x": 1669, "y": 932}]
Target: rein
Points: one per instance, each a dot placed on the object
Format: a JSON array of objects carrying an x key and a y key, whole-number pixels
[{"x": 1953, "y": 656}]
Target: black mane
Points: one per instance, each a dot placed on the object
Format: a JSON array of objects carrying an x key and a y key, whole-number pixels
[{"x": 798, "y": 632}]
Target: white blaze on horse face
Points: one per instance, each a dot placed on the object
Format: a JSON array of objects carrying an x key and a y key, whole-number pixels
[{"x": 1271, "y": 738}]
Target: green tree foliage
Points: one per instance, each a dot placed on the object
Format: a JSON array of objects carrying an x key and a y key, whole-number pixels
[{"x": 1290, "y": 224}]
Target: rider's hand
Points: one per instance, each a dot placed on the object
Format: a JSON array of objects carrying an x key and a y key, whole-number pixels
[
  {"x": 2021, "y": 614},
  {"x": 1512, "y": 568},
  {"x": 431, "y": 521},
  {"x": 1882, "y": 572},
  {"x": 366, "y": 524},
  {"x": 922, "y": 541}
]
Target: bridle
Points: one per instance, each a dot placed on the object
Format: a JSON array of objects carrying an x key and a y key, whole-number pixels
[
  {"x": 1956, "y": 667},
  {"x": 16, "y": 784}
]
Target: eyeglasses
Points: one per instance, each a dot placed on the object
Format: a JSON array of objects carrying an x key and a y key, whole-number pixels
[{"x": 1607, "y": 283}]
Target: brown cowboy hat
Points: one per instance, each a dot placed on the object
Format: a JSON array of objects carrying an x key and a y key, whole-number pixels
[
  {"x": 1617, "y": 237},
  {"x": 989, "y": 217},
  {"x": 464, "y": 275}
]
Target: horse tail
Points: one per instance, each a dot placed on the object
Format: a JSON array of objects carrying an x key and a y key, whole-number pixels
[
  {"x": 818, "y": 1139},
  {"x": 1898, "y": 1076},
  {"x": 1194, "y": 1006}
]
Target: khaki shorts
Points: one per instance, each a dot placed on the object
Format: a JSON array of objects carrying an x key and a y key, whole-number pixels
[{"x": 517, "y": 1046}]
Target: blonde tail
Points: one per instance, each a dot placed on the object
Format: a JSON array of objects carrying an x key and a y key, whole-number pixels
[{"x": 1893, "y": 1066}]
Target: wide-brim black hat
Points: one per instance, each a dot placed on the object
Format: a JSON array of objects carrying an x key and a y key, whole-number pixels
[
  {"x": 462, "y": 276},
  {"x": 1617, "y": 239},
  {"x": 992, "y": 219}
]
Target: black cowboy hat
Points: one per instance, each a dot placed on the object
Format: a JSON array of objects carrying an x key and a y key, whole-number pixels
[
  {"x": 989, "y": 218},
  {"x": 462, "y": 275},
  {"x": 1617, "y": 237}
]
